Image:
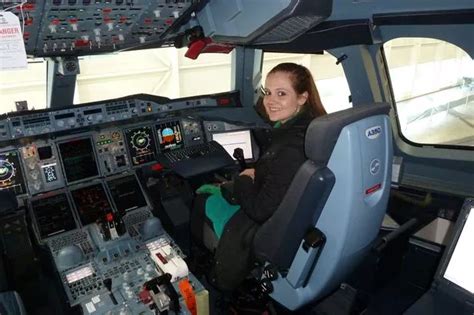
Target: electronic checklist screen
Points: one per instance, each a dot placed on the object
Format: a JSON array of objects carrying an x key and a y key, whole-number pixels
[
  {"x": 126, "y": 193},
  {"x": 460, "y": 268},
  {"x": 235, "y": 139}
]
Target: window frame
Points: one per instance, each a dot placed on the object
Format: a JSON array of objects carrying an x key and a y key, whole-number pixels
[{"x": 395, "y": 108}]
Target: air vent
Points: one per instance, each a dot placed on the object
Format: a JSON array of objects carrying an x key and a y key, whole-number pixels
[
  {"x": 4, "y": 134},
  {"x": 115, "y": 108},
  {"x": 36, "y": 121},
  {"x": 289, "y": 29}
]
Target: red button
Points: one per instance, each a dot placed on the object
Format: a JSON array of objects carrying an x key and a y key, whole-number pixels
[{"x": 157, "y": 167}]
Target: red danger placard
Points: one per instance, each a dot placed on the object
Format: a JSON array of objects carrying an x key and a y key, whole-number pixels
[{"x": 12, "y": 47}]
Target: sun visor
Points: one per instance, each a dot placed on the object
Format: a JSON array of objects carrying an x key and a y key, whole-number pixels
[{"x": 261, "y": 22}]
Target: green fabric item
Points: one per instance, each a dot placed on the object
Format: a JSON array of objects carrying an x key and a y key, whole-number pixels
[
  {"x": 219, "y": 211},
  {"x": 209, "y": 189},
  {"x": 277, "y": 124}
]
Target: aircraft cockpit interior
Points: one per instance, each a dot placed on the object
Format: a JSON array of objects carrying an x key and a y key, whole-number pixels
[{"x": 118, "y": 118}]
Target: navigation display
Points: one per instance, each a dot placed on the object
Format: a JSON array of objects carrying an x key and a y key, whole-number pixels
[
  {"x": 91, "y": 203},
  {"x": 169, "y": 136},
  {"x": 11, "y": 177},
  {"x": 78, "y": 159},
  {"x": 126, "y": 193},
  {"x": 53, "y": 215},
  {"x": 141, "y": 145}
]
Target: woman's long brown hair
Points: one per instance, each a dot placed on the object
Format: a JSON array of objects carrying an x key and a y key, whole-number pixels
[{"x": 302, "y": 81}]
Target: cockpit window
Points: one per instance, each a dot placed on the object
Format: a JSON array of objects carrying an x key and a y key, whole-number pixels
[
  {"x": 433, "y": 83},
  {"x": 164, "y": 72},
  {"x": 329, "y": 77},
  {"x": 27, "y": 87}
]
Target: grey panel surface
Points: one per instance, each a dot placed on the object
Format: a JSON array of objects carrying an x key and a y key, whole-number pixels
[{"x": 344, "y": 10}]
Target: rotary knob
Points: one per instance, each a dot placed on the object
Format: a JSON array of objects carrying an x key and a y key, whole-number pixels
[
  {"x": 37, "y": 186},
  {"x": 34, "y": 174}
]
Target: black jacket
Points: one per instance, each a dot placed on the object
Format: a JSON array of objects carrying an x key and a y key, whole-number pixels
[{"x": 283, "y": 154}]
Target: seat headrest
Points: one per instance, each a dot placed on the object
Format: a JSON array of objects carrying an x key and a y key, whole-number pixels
[{"x": 323, "y": 132}]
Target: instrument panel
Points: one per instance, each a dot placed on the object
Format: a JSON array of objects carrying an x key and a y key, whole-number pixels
[
  {"x": 46, "y": 150},
  {"x": 82, "y": 204},
  {"x": 54, "y": 164},
  {"x": 76, "y": 169},
  {"x": 142, "y": 106},
  {"x": 106, "y": 264},
  {"x": 111, "y": 150},
  {"x": 43, "y": 172}
]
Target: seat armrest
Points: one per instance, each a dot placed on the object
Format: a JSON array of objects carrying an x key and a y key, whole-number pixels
[
  {"x": 306, "y": 257},
  {"x": 313, "y": 238}
]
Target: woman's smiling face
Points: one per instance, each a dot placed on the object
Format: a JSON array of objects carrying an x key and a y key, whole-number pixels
[{"x": 280, "y": 100}]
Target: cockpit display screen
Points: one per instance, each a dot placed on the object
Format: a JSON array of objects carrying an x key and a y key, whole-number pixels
[
  {"x": 126, "y": 193},
  {"x": 91, "y": 203},
  {"x": 53, "y": 215},
  {"x": 78, "y": 159},
  {"x": 169, "y": 136},
  {"x": 141, "y": 145},
  {"x": 459, "y": 267},
  {"x": 11, "y": 177}
]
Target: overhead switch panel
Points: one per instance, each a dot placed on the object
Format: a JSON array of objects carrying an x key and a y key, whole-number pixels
[{"x": 83, "y": 27}]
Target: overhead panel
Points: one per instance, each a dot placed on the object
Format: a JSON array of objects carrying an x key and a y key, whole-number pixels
[{"x": 82, "y": 27}]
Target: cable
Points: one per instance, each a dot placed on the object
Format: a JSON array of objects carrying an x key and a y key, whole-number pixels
[
  {"x": 14, "y": 6},
  {"x": 22, "y": 18},
  {"x": 21, "y": 11}
]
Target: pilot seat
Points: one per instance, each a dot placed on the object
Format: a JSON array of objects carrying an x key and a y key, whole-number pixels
[{"x": 333, "y": 209}]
